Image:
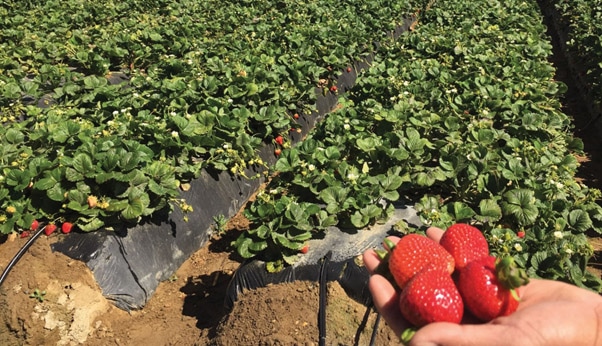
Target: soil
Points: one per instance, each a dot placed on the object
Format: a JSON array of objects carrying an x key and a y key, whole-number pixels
[{"x": 189, "y": 308}]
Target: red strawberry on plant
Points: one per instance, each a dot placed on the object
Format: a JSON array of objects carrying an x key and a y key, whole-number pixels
[
  {"x": 305, "y": 249},
  {"x": 66, "y": 227},
  {"x": 413, "y": 253},
  {"x": 520, "y": 234},
  {"x": 489, "y": 287},
  {"x": 49, "y": 229},
  {"x": 431, "y": 296},
  {"x": 34, "y": 225},
  {"x": 348, "y": 69},
  {"x": 24, "y": 234},
  {"x": 279, "y": 140},
  {"x": 277, "y": 152},
  {"x": 296, "y": 116},
  {"x": 465, "y": 243},
  {"x": 334, "y": 88}
]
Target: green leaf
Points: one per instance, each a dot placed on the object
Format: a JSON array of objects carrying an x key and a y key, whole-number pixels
[
  {"x": 138, "y": 201},
  {"x": 82, "y": 163},
  {"x": 56, "y": 193},
  {"x": 359, "y": 220},
  {"x": 288, "y": 161},
  {"x": 461, "y": 211},
  {"x": 14, "y": 136},
  {"x": 73, "y": 175},
  {"x": 280, "y": 239},
  {"x": 93, "y": 225},
  {"x": 580, "y": 220},
  {"x": 242, "y": 245},
  {"x": 521, "y": 204},
  {"x": 489, "y": 211},
  {"x": 18, "y": 179}
]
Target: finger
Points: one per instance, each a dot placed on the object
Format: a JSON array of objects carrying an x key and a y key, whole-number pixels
[
  {"x": 371, "y": 260},
  {"x": 448, "y": 334},
  {"x": 386, "y": 301},
  {"x": 434, "y": 233}
]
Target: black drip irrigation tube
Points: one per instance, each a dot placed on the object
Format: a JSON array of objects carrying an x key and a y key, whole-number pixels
[
  {"x": 323, "y": 300},
  {"x": 20, "y": 254},
  {"x": 323, "y": 282}
]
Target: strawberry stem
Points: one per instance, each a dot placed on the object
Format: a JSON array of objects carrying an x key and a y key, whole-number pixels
[
  {"x": 408, "y": 334},
  {"x": 389, "y": 244},
  {"x": 382, "y": 255}
]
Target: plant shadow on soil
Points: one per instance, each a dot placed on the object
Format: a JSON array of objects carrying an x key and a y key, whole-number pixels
[{"x": 205, "y": 294}]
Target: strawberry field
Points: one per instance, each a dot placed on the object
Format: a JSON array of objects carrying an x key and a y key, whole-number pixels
[{"x": 111, "y": 111}]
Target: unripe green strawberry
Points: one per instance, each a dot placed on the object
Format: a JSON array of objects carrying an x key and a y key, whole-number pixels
[
  {"x": 413, "y": 253},
  {"x": 489, "y": 287},
  {"x": 431, "y": 296},
  {"x": 465, "y": 243}
]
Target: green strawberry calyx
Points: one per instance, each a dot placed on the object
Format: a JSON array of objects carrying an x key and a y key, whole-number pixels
[
  {"x": 407, "y": 335},
  {"x": 383, "y": 266},
  {"x": 510, "y": 275}
]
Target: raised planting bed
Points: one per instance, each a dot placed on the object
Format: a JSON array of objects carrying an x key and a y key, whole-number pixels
[
  {"x": 183, "y": 131},
  {"x": 465, "y": 122}
]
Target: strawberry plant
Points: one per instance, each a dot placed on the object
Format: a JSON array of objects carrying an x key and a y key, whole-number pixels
[
  {"x": 463, "y": 118},
  {"x": 581, "y": 25},
  {"x": 105, "y": 117}
]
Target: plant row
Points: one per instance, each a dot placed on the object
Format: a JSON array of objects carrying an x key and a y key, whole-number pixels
[
  {"x": 582, "y": 22},
  {"x": 109, "y": 108},
  {"x": 461, "y": 118}
]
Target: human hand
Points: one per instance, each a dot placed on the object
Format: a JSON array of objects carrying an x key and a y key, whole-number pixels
[{"x": 549, "y": 313}]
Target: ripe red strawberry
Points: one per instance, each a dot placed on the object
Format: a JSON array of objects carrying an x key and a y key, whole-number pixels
[
  {"x": 415, "y": 252},
  {"x": 348, "y": 69},
  {"x": 465, "y": 243},
  {"x": 24, "y": 234},
  {"x": 34, "y": 225},
  {"x": 334, "y": 88},
  {"x": 66, "y": 227},
  {"x": 49, "y": 229},
  {"x": 305, "y": 249},
  {"x": 279, "y": 140},
  {"x": 277, "y": 152},
  {"x": 520, "y": 234},
  {"x": 431, "y": 296},
  {"x": 489, "y": 287},
  {"x": 296, "y": 116}
]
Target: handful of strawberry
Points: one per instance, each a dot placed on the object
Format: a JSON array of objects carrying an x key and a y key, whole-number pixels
[{"x": 440, "y": 281}]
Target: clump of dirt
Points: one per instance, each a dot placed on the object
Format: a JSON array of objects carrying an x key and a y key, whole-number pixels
[
  {"x": 287, "y": 314},
  {"x": 48, "y": 299}
]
